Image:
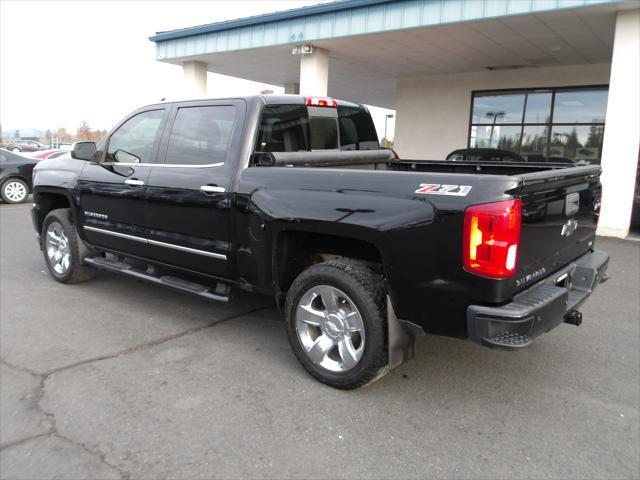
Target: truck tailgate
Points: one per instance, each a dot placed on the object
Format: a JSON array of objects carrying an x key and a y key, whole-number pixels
[{"x": 560, "y": 215}]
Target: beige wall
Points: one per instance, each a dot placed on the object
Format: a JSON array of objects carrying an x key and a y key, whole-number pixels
[
  {"x": 433, "y": 110},
  {"x": 622, "y": 131}
]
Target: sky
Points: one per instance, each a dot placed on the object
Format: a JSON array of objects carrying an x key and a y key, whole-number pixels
[{"x": 64, "y": 62}]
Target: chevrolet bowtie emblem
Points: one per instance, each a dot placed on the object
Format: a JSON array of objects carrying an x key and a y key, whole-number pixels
[{"x": 569, "y": 227}]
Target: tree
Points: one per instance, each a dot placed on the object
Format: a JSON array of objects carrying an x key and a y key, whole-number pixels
[
  {"x": 97, "y": 135},
  {"x": 573, "y": 143},
  {"x": 84, "y": 131},
  {"x": 63, "y": 135},
  {"x": 596, "y": 133},
  {"x": 46, "y": 139}
]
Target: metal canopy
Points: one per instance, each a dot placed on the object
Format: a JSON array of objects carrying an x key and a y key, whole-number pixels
[{"x": 372, "y": 43}]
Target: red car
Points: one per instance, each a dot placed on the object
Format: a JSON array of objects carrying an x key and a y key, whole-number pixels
[{"x": 47, "y": 154}]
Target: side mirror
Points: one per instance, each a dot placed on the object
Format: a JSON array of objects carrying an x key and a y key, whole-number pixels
[{"x": 83, "y": 150}]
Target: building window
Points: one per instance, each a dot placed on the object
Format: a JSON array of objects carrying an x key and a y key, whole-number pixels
[{"x": 554, "y": 124}]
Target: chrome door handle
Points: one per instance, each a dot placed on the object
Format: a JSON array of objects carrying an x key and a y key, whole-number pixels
[
  {"x": 134, "y": 182},
  {"x": 211, "y": 189}
]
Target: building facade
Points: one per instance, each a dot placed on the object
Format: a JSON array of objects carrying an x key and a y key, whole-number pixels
[{"x": 552, "y": 80}]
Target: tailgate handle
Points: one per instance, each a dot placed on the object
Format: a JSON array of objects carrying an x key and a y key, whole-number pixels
[{"x": 572, "y": 204}]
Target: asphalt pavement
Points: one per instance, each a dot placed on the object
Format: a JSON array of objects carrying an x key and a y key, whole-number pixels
[{"x": 119, "y": 379}]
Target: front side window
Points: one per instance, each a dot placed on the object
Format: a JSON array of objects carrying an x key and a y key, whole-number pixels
[
  {"x": 201, "y": 135},
  {"x": 134, "y": 141},
  {"x": 556, "y": 125}
]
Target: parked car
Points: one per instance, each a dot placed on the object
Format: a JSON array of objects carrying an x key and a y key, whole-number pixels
[
  {"x": 15, "y": 176},
  {"x": 483, "y": 155},
  {"x": 496, "y": 155},
  {"x": 536, "y": 157},
  {"x": 27, "y": 146},
  {"x": 292, "y": 197},
  {"x": 44, "y": 154}
]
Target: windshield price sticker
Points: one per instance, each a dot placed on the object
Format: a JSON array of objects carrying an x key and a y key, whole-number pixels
[{"x": 438, "y": 189}]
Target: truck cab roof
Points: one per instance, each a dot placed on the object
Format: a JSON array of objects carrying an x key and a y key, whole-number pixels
[{"x": 265, "y": 100}]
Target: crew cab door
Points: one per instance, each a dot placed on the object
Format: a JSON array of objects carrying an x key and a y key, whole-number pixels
[
  {"x": 188, "y": 201},
  {"x": 112, "y": 192}
]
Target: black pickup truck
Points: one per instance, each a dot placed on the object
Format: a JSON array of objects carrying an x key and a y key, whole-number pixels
[{"x": 293, "y": 197}]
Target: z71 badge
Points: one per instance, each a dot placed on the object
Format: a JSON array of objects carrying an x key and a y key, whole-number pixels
[{"x": 438, "y": 189}]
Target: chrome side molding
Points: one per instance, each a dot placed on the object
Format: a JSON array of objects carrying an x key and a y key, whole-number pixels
[{"x": 149, "y": 241}]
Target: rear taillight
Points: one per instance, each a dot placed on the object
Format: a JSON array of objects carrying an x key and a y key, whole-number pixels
[
  {"x": 320, "y": 102},
  {"x": 491, "y": 237}
]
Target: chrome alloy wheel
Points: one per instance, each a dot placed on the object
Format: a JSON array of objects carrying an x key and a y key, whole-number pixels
[
  {"x": 15, "y": 191},
  {"x": 58, "y": 249},
  {"x": 330, "y": 328}
]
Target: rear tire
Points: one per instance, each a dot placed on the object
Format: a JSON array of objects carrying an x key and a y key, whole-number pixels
[
  {"x": 14, "y": 190},
  {"x": 64, "y": 252},
  {"x": 336, "y": 323}
]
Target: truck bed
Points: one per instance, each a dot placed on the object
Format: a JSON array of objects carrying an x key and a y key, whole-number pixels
[
  {"x": 544, "y": 188},
  {"x": 384, "y": 160}
]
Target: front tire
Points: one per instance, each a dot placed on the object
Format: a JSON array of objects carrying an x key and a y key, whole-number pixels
[
  {"x": 336, "y": 323},
  {"x": 64, "y": 252},
  {"x": 14, "y": 190}
]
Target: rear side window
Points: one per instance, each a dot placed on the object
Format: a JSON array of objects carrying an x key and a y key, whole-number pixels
[
  {"x": 201, "y": 135},
  {"x": 293, "y": 128},
  {"x": 283, "y": 128}
]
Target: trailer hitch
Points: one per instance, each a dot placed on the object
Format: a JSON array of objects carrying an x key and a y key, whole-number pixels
[{"x": 574, "y": 317}]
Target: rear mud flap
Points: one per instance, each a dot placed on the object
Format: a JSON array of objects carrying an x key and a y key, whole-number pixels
[{"x": 402, "y": 345}]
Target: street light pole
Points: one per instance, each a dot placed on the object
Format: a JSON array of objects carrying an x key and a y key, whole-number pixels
[
  {"x": 386, "y": 117},
  {"x": 495, "y": 116}
]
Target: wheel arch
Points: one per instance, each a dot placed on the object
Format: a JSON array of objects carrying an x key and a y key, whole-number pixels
[
  {"x": 296, "y": 250},
  {"x": 47, "y": 200}
]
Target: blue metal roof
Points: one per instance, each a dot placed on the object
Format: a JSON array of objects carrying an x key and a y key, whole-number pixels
[
  {"x": 342, "y": 19},
  {"x": 266, "y": 18}
]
